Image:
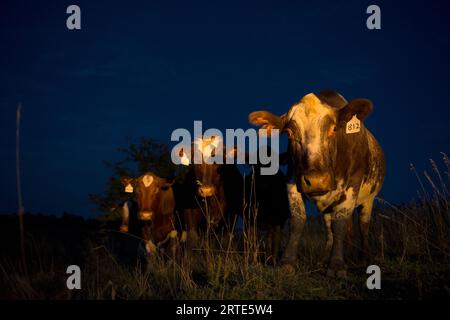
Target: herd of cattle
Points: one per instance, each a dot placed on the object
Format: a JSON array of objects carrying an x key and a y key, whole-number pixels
[{"x": 333, "y": 160}]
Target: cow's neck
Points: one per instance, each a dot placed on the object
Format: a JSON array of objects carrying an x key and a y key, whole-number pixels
[{"x": 352, "y": 154}]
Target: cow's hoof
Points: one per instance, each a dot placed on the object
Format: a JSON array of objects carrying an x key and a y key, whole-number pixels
[
  {"x": 330, "y": 273},
  {"x": 288, "y": 259},
  {"x": 323, "y": 263},
  {"x": 288, "y": 269},
  {"x": 339, "y": 274}
]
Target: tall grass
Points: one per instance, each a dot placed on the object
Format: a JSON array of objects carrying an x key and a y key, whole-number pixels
[
  {"x": 19, "y": 190},
  {"x": 409, "y": 242}
]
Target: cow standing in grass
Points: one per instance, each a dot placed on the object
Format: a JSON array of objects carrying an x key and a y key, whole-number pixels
[
  {"x": 267, "y": 206},
  {"x": 155, "y": 211},
  {"x": 336, "y": 163},
  {"x": 210, "y": 196}
]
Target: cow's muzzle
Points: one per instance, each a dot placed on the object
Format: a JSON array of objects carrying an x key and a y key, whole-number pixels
[
  {"x": 145, "y": 215},
  {"x": 206, "y": 191},
  {"x": 316, "y": 183}
]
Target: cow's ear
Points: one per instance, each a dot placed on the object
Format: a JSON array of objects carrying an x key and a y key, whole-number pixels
[
  {"x": 266, "y": 120},
  {"x": 359, "y": 107},
  {"x": 184, "y": 156},
  {"x": 127, "y": 182}
]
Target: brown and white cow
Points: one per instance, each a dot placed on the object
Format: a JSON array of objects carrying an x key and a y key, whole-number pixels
[
  {"x": 211, "y": 193},
  {"x": 337, "y": 164},
  {"x": 155, "y": 211}
]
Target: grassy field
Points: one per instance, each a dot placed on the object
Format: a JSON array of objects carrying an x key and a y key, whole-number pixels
[{"x": 409, "y": 242}]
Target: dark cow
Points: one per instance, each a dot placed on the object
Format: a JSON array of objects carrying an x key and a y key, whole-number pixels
[
  {"x": 210, "y": 196},
  {"x": 336, "y": 163},
  {"x": 267, "y": 203},
  {"x": 155, "y": 211}
]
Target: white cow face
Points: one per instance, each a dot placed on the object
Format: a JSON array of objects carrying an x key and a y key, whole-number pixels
[{"x": 315, "y": 126}]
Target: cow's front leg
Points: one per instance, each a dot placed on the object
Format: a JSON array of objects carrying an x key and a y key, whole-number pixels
[
  {"x": 174, "y": 244},
  {"x": 365, "y": 213},
  {"x": 339, "y": 223},
  {"x": 276, "y": 242},
  {"x": 125, "y": 214},
  {"x": 150, "y": 246},
  {"x": 329, "y": 243},
  {"x": 297, "y": 223},
  {"x": 192, "y": 218}
]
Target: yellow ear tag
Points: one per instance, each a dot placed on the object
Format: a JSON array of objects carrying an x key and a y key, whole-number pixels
[
  {"x": 129, "y": 188},
  {"x": 173, "y": 234},
  {"x": 183, "y": 236},
  {"x": 353, "y": 126}
]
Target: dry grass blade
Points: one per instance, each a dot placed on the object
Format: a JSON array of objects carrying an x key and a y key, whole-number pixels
[{"x": 19, "y": 190}]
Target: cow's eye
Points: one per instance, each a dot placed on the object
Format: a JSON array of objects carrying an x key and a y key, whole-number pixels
[
  {"x": 289, "y": 133},
  {"x": 332, "y": 131}
]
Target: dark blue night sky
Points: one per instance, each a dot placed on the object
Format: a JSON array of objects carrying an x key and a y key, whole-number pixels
[{"x": 145, "y": 68}]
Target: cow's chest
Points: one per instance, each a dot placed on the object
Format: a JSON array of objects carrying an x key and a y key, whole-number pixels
[{"x": 324, "y": 201}]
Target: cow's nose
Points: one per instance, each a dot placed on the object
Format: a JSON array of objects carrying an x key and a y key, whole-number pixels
[
  {"x": 316, "y": 183},
  {"x": 146, "y": 215},
  {"x": 206, "y": 191}
]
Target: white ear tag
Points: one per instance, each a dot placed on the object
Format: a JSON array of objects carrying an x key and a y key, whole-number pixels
[
  {"x": 353, "y": 126},
  {"x": 184, "y": 160},
  {"x": 147, "y": 180},
  {"x": 207, "y": 152},
  {"x": 129, "y": 188}
]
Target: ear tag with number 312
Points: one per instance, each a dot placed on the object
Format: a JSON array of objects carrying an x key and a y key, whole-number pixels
[
  {"x": 129, "y": 188},
  {"x": 353, "y": 126}
]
